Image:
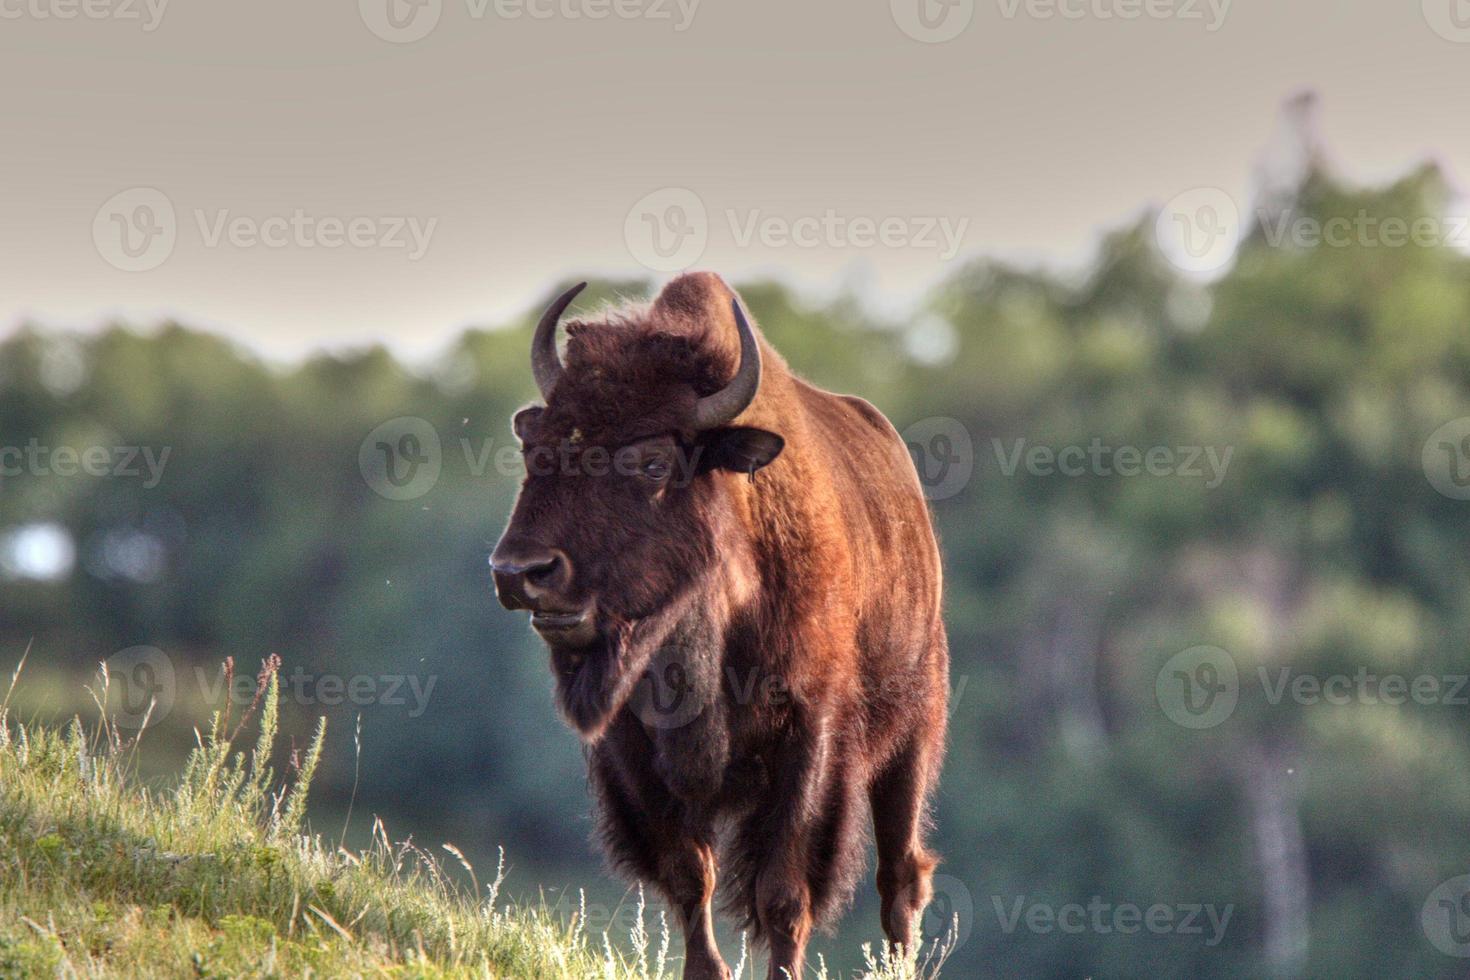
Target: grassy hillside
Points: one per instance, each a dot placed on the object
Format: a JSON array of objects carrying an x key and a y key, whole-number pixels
[{"x": 217, "y": 876}]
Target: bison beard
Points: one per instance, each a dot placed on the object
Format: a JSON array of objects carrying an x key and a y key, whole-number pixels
[
  {"x": 754, "y": 656},
  {"x": 594, "y": 683}
]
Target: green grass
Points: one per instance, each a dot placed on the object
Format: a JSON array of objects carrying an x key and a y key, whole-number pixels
[{"x": 217, "y": 876}]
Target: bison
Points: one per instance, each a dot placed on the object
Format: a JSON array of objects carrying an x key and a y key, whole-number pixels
[{"x": 737, "y": 578}]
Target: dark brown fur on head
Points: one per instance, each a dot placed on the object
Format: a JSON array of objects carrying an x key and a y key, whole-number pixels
[{"x": 637, "y": 369}]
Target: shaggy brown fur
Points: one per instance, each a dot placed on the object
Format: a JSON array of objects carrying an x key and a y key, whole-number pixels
[{"x": 769, "y": 664}]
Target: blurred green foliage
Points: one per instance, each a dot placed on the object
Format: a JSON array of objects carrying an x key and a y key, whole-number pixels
[{"x": 1324, "y": 550}]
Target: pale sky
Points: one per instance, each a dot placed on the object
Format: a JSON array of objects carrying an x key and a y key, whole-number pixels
[{"x": 304, "y": 175}]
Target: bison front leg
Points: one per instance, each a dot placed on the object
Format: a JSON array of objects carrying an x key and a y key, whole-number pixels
[
  {"x": 900, "y": 798},
  {"x": 656, "y": 838},
  {"x": 690, "y": 888},
  {"x": 774, "y": 846},
  {"x": 784, "y": 907},
  {"x": 905, "y": 866}
]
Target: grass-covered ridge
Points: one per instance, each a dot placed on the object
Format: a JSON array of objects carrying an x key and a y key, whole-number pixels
[{"x": 218, "y": 877}]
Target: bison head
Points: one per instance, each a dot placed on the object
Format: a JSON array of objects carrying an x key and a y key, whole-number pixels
[{"x": 628, "y": 505}]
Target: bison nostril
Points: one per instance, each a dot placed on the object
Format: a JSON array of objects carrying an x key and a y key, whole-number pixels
[{"x": 541, "y": 573}]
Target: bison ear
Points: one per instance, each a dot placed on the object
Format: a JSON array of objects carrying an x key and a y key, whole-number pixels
[
  {"x": 740, "y": 449},
  {"x": 523, "y": 423}
]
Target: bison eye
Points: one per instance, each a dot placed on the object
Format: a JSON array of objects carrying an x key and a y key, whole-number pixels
[{"x": 656, "y": 469}]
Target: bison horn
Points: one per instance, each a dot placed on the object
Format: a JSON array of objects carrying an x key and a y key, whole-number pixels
[
  {"x": 722, "y": 406},
  {"x": 545, "y": 365}
]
